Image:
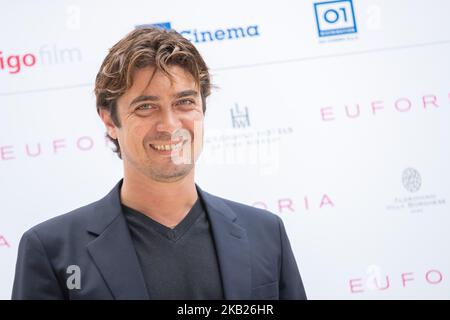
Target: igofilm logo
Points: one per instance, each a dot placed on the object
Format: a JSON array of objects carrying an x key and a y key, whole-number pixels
[{"x": 15, "y": 62}]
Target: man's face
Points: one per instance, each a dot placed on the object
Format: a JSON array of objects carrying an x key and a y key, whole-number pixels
[{"x": 161, "y": 131}]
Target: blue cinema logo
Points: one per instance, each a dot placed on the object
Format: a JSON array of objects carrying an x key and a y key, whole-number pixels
[
  {"x": 219, "y": 34},
  {"x": 162, "y": 25},
  {"x": 335, "y": 18}
]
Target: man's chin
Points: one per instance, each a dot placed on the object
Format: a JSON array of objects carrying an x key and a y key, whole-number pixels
[{"x": 172, "y": 176}]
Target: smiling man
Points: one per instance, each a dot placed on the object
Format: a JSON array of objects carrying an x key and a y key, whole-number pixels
[{"x": 157, "y": 235}]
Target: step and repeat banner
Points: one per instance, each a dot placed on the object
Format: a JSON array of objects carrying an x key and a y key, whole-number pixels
[{"x": 334, "y": 115}]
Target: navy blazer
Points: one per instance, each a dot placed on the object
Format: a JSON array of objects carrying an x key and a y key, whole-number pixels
[{"x": 253, "y": 250}]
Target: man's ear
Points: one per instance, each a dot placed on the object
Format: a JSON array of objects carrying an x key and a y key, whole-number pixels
[{"x": 111, "y": 128}]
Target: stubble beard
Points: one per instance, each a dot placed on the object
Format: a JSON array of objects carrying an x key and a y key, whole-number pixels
[
  {"x": 173, "y": 171},
  {"x": 174, "y": 174}
]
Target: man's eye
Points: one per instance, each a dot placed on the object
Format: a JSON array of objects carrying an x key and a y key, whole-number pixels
[
  {"x": 186, "y": 102},
  {"x": 144, "y": 107}
]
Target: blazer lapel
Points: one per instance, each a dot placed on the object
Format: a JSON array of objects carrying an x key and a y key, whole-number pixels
[
  {"x": 232, "y": 248},
  {"x": 113, "y": 251}
]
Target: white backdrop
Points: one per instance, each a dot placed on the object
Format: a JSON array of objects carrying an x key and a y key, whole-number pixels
[{"x": 344, "y": 135}]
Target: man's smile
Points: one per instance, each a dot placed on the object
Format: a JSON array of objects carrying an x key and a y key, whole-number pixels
[{"x": 168, "y": 147}]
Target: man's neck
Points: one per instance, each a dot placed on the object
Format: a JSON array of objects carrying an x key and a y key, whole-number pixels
[{"x": 165, "y": 202}]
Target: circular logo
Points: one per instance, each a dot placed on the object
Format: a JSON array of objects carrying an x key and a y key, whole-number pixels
[{"x": 411, "y": 179}]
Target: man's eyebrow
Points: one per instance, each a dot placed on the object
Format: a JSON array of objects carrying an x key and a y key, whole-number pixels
[
  {"x": 186, "y": 93},
  {"x": 143, "y": 98}
]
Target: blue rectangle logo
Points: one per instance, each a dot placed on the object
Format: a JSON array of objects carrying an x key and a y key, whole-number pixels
[
  {"x": 162, "y": 25},
  {"x": 335, "y": 18}
]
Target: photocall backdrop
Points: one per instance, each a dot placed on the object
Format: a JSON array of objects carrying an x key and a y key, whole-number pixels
[{"x": 333, "y": 115}]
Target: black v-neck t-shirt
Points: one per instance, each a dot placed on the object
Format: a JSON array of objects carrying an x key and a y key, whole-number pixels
[{"x": 179, "y": 263}]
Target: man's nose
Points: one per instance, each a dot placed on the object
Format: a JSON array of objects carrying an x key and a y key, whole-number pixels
[{"x": 168, "y": 122}]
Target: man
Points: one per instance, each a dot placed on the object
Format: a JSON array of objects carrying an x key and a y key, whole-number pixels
[{"x": 157, "y": 235}]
